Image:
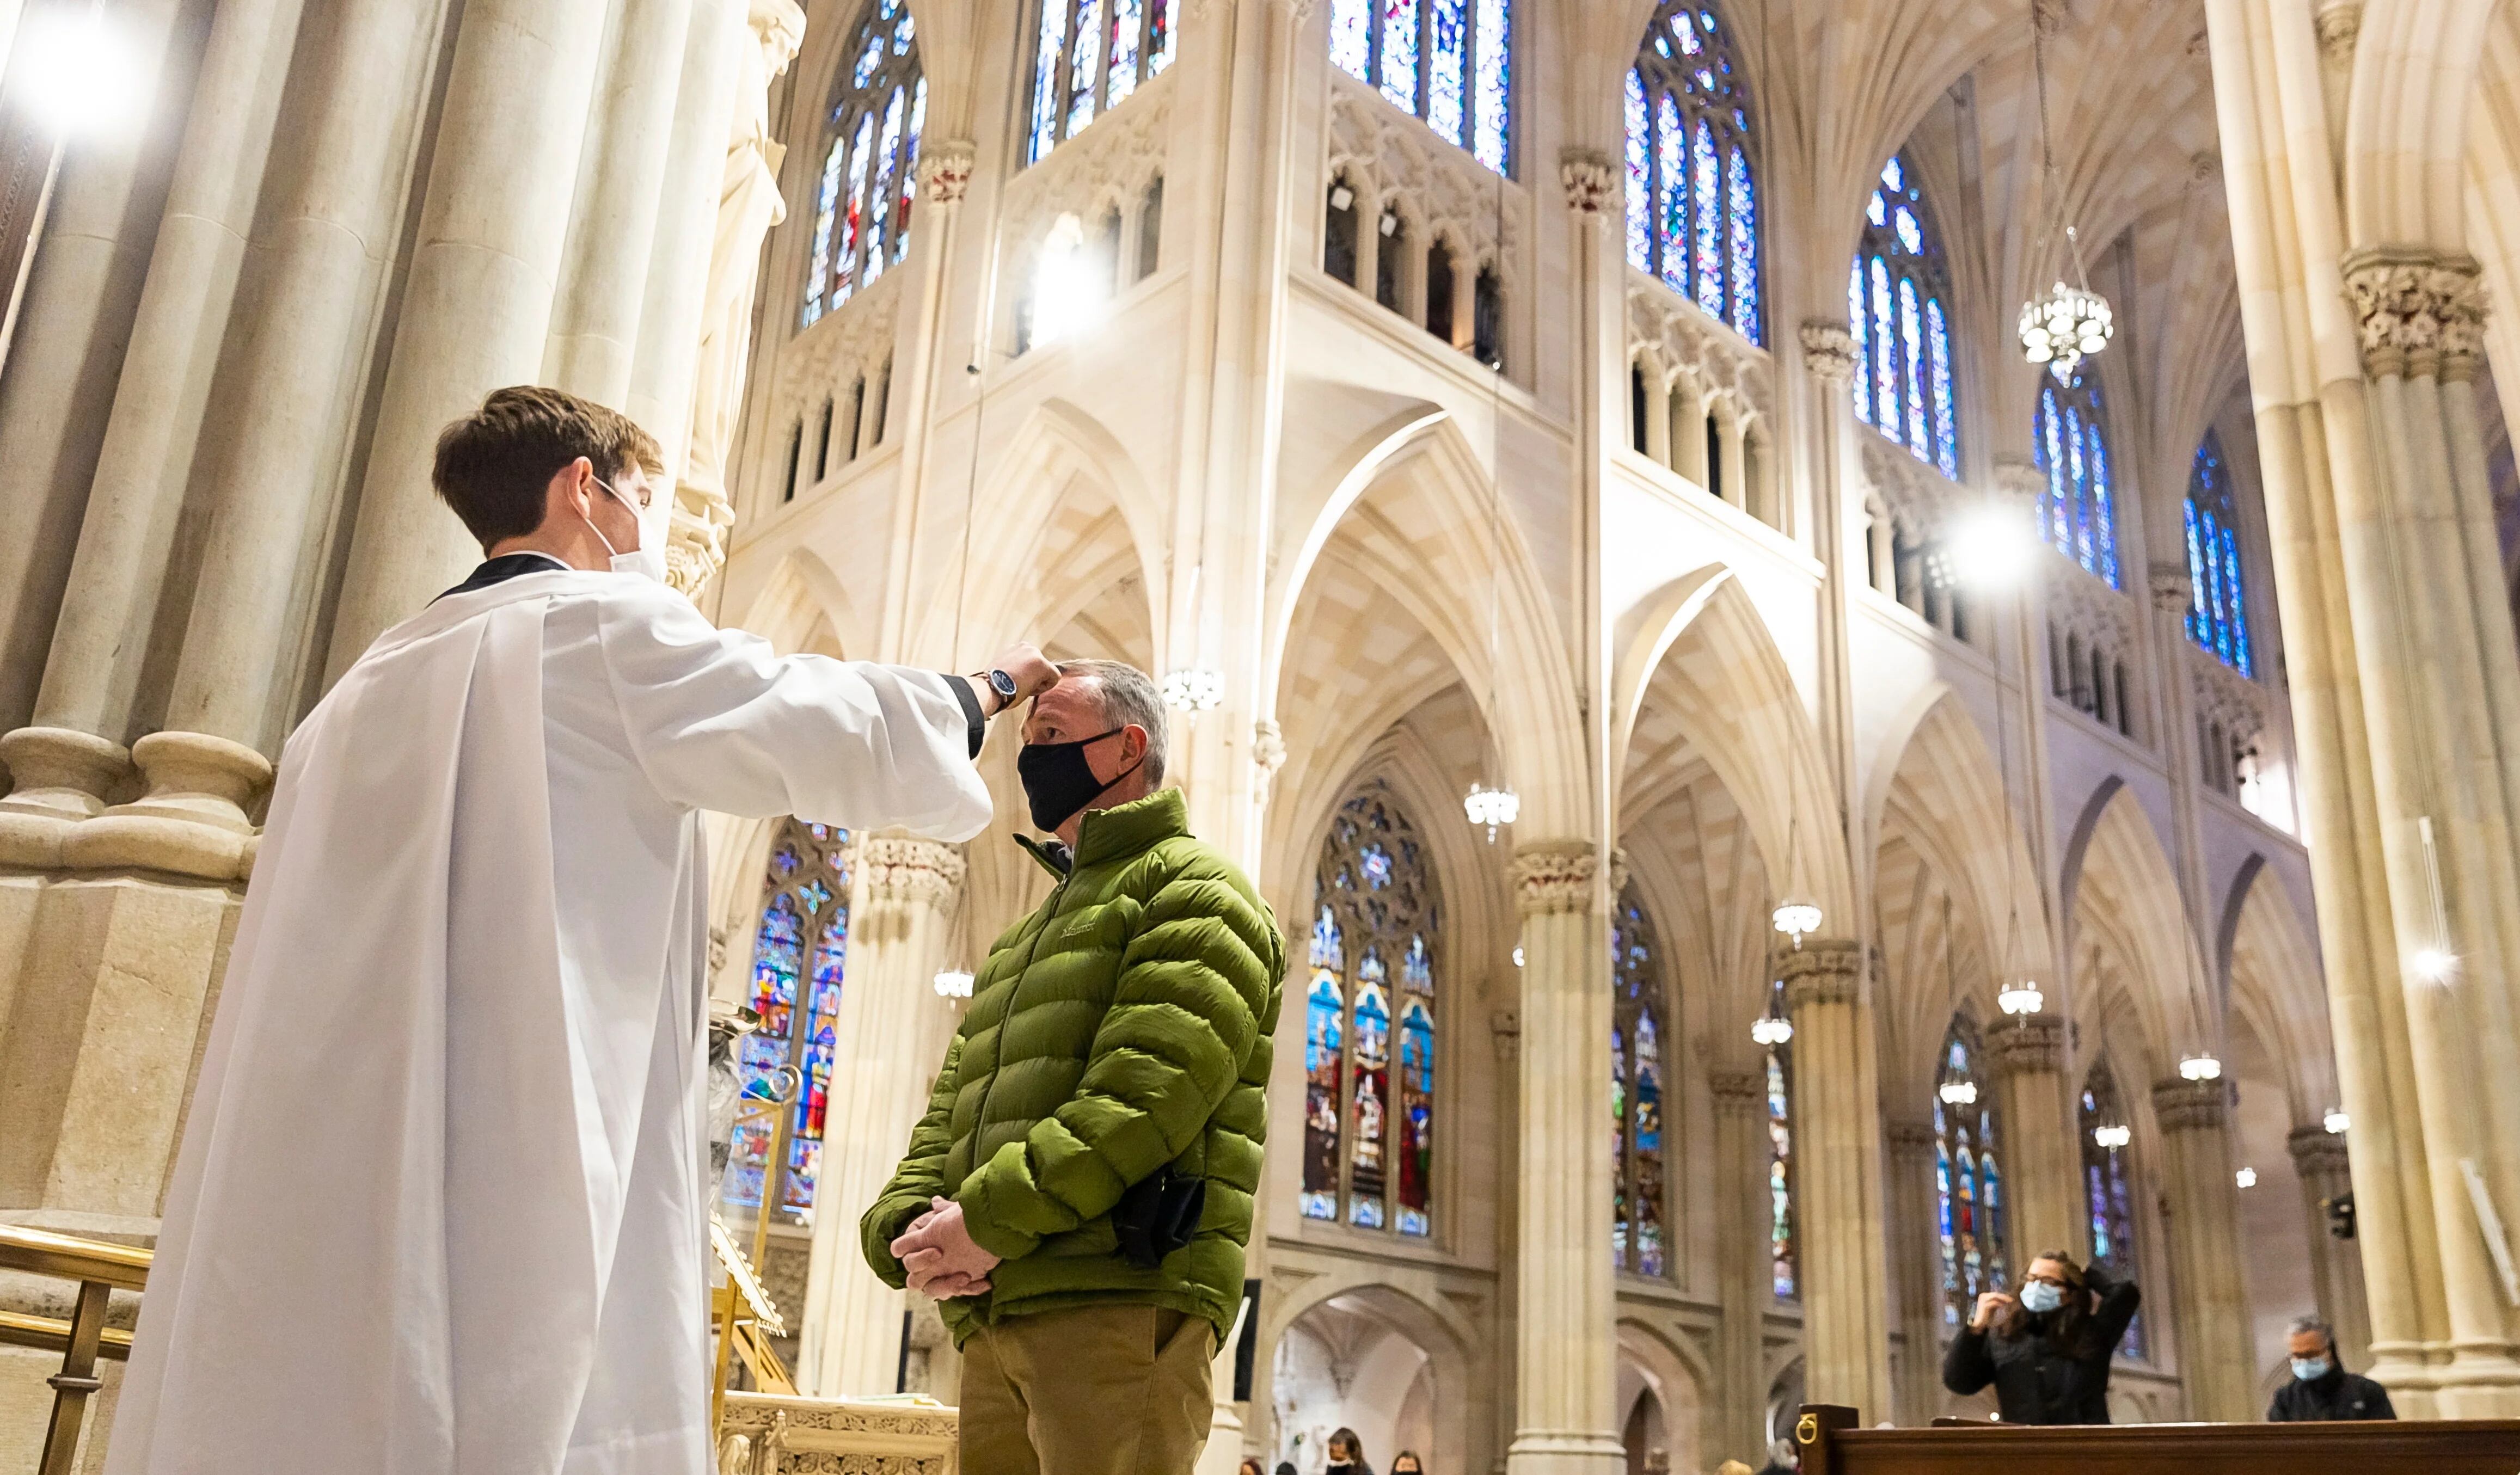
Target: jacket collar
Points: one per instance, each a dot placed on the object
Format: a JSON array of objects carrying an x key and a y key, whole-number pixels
[{"x": 1115, "y": 834}]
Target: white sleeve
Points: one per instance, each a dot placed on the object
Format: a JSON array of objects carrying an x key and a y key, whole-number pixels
[{"x": 720, "y": 721}]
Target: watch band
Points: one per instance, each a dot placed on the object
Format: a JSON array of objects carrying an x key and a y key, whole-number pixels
[{"x": 1003, "y": 684}]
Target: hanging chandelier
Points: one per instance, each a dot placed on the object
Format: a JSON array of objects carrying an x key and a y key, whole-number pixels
[
  {"x": 1491, "y": 807},
  {"x": 2021, "y": 998},
  {"x": 2200, "y": 1068},
  {"x": 1771, "y": 1030},
  {"x": 1193, "y": 690},
  {"x": 1959, "y": 1093},
  {"x": 2071, "y": 321},
  {"x": 2115, "y": 1135},
  {"x": 1798, "y": 919}
]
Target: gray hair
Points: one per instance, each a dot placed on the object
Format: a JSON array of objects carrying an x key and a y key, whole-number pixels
[
  {"x": 1128, "y": 696},
  {"x": 2301, "y": 1324}
]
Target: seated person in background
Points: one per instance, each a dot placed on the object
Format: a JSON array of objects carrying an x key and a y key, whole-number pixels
[
  {"x": 1407, "y": 1462},
  {"x": 2047, "y": 1351},
  {"x": 2320, "y": 1388},
  {"x": 1347, "y": 1455}
]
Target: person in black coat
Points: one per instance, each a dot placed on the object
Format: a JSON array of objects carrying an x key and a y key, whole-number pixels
[
  {"x": 2320, "y": 1388},
  {"x": 2046, "y": 1350}
]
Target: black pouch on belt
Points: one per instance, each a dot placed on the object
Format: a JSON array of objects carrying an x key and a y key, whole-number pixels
[{"x": 1158, "y": 1216}]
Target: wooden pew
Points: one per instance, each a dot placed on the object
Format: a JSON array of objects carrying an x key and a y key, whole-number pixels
[{"x": 1833, "y": 1442}]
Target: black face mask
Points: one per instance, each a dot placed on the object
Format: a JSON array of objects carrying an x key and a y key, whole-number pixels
[{"x": 1058, "y": 780}]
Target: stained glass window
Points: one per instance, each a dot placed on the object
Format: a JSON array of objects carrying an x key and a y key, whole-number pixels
[
  {"x": 2218, "y": 611},
  {"x": 2077, "y": 510},
  {"x": 1692, "y": 177},
  {"x": 1782, "y": 1245},
  {"x": 1370, "y": 1024},
  {"x": 870, "y": 159},
  {"x": 1088, "y": 57},
  {"x": 1895, "y": 296},
  {"x": 2107, "y": 1191},
  {"x": 1449, "y": 61},
  {"x": 1968, "y": 1178},
  {"x": 1639, "y": 1201},
  {"x": 799, "y": 949}
]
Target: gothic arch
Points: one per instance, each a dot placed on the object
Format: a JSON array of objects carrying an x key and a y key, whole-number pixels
[
  {"x": 2415, "y": 69},
  {"x": 2272, "y": 976},
  {"x": 1434, "y": 1322},
  {"x": 1675, "y": 1371},
  {"x": 800, "y": 596},
  {"x": 2124, "y": 911}
]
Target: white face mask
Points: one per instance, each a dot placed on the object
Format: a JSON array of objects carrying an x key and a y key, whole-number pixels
[
  {"x": 2040, "y": 1298},
  {"x": 644, "y": 560}
]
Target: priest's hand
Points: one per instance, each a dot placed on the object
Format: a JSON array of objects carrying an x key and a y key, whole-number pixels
[
  {"x": 939, "y": 1255},
  {"x": 1032, "y": 672}
]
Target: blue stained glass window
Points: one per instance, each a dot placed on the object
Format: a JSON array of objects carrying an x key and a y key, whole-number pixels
[
  {"x": 1693, "y": 195},
  {"x": 1783, "y": 1250},
  {"x": 1449, "y": 61},
  {"x": 1861, "y": 322},
  {"x": 1351, "y": 42},
  {"x": 1400, "y": 19},
  {"x": 869, "y": 179},
  {"x": 1084, "y": 62},
  {"x": 1492, "y": 124},
  {"x": 1968, "y": 1178},
  {"x": 2070, "y": 444},
  {"x": 2107, "y": 1196},
  {"x": 1639, "y": 1201},
  {"x": 799, "y": 957},
  {"x": 1914, "y": 399},
  {"x": 1447, "y": 53},
  {"x": 1369, "y": 1126},
  {"x": 2218, "y": 611}
]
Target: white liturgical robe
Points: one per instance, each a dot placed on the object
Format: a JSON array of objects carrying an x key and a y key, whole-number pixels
[{"x": 440, "y": 1208}]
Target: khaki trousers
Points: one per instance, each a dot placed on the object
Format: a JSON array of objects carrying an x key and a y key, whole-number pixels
[{"x": 1103, "y": 1390}]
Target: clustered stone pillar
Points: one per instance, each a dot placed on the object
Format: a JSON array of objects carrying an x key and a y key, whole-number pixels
[
  {"x": 1742, "y": 1265},
  {"x": 1915, "y": 1254},
  {"x": 2026, "y": 1054},
  {"x": 2320, "y": 1158},
  {"x": 1564, "y": 1309},
  {"x": 1837, "y": 1179},
  {"x": 882, "y": 1069},
  {"x": 2216, "y": 1351}
]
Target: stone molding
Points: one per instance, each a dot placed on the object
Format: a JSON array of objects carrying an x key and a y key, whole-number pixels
[
  {"x": 1737, "y": 1092},
  {"x": 2174, "y": 590},
  {"x": 1554, "y": 877},
  {"x": 1441, "y": 193},
  {"x": 1268, "y": 747},
  {"x": 1828, "y": 349},
  {"x": 945, "y": 168},
  {"x": 2419, "y": 313},
  {"x": 189, "y": 819},
  {"x": 1677, "y": 346},
  {"x": 1823, "y": 970},
  {"x": 2191, "y": 1105},
  {"x": 1590, "y": 182},
  {"x": 1911, "y": 1138},
  {"x": 2317, "y": 1152},
  {"x": 2024, "y": 1044},
  {"x": 2340, "y": 24},
  {"x": 903, "y": 869},
  {"x": 2019, "y": 477},
  {"x": 774, "y": 1434}
]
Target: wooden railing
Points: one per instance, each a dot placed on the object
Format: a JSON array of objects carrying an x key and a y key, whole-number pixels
[
  {"x": 1833, "y": 1442},
  {"x": 100, "y": 1268}
]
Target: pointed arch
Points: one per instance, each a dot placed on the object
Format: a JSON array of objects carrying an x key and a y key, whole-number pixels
[
  {"x": 869, "y": 178},
  {"x": 1693, "y": 166},
  {"x": 2125, "y": 917},
  {"x": 801, "y": 593},
  {"x": 2271, "y": 970}
]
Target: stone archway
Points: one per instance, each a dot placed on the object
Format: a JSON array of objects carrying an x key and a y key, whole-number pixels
[{"x": 1352, "y": 1361}]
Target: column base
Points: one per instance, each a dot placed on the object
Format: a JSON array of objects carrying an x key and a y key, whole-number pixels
[
  {"x": 60, "y": 778},
  {"x": 193, "y": 821},
  {"x": 2478, "y": 1382},
  {"x": 1564, "y": 1451}
]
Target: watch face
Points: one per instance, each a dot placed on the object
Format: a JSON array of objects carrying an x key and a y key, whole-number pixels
[{"x": 1004, "y": 684}]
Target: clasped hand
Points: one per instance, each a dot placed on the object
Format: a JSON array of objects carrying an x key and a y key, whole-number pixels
[{"x": 940, "y": 1256}]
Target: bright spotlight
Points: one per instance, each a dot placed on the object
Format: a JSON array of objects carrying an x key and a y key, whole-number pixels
[
  {"x": 2114, "y": 1135},
  {"x": 1959, "y": 1093},
  {"x": 2337, "y": 1122},
  {"x": 2200, "y": 1068},
  {"x": 2023, "y": 998},
  {"x": 1066, "y": 296},
  {"x": 2246, "y": 1178},
  {"x": 80, "y": 77},
  {"x": 1987, "y": 546},
  {"x": 953, "y": 983},
  {"x": 2435, "y": 964}
]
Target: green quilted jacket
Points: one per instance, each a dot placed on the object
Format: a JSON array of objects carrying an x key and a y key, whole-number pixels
[{"x": 1123, "y": 1026}]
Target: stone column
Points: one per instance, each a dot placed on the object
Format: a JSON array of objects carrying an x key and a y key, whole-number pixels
[
  {"x": 1745, "y": 1287},
  {"x": 1916, "y": 1269},
  {"x": 2321, "y": 1157},
  {"x": 1837, "y": 1179},
  {"x": 2216, "y": 1356},
  {"x": 477, "y": 296},
  {"x": 881, "y": 1074},
  {"x": 1565, "y": 1309},
  {"x": 2043, "y": 1156}
]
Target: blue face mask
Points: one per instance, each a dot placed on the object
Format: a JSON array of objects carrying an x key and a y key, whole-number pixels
[
  {"x": 2039, "y": 1298},
  {"x": 2311, "y": 1370}
]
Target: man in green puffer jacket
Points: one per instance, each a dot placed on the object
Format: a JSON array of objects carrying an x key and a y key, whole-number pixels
[{"x": 1078, "y": 1195}]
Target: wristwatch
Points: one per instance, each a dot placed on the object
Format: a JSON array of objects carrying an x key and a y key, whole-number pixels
[{"x": 1004, "y": 686}]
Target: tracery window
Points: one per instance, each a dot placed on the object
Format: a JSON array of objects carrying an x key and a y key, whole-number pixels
[
  {"x": 1968, "y": 1182},
  {"x": 1640, "y": 1202},
  {"x": 2218, "y": 613},
  {"x": 2078, "y": 511},
  {"x": 1449, "y": 61},
  {"x": 1369, "y": 1132},
  {"x": 1895, "y": 300},
  {"x": 1088, "y": 57},
  {"x": 799, "y": 949},
  {"x": 870, "y": 159},
  {"x": 1693, "y": 190},
  {"x": 1783, "y": 1243},
  {"x": 2107, "y": 1187}
]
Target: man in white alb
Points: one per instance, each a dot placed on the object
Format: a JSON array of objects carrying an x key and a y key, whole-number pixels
[{"x": 439, "y": 1206}]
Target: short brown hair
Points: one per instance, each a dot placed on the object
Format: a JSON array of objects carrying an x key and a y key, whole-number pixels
[{"x": 495, "y": 465}]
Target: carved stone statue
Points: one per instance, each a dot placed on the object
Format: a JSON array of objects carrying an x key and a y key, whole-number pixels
[{"x": 749, "y": 205}]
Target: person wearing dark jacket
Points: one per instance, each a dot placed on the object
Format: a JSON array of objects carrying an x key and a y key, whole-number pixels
[
  {"x": 2321, "y": 1389},
  {"x": 2046, "y": 1350}
]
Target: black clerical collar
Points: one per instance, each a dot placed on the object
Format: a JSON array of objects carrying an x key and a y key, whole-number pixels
[{"x": 504, "y": 567}]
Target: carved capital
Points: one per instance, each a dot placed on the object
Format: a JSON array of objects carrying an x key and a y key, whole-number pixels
[
  {"x": 2019, "y": 477},
  {"x": 2174, "y": 590},
  {"x": 1913, "y": 1140},
  {"x": 1268, "y": 747},
  {"x": 1590, "y": 181},
  {"x": 1553, "y": 877},
  {"x": 2191, "y": 1105},
  {"x": 696, "y": 535},
  {"x": 1737, "y": 1092},
  {"x": 2319, "y": 1154},
  {"x": 2340, "y": 22},
  {"x": 945, "y": 168},
  {"x": 902, "y": 869},
  {"x": 1823, "y": 970},
  {"x": 2420, "y": 313},
  {"x": 1828, "y": 350},
  {"x": 2021, "y": 1045}
]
